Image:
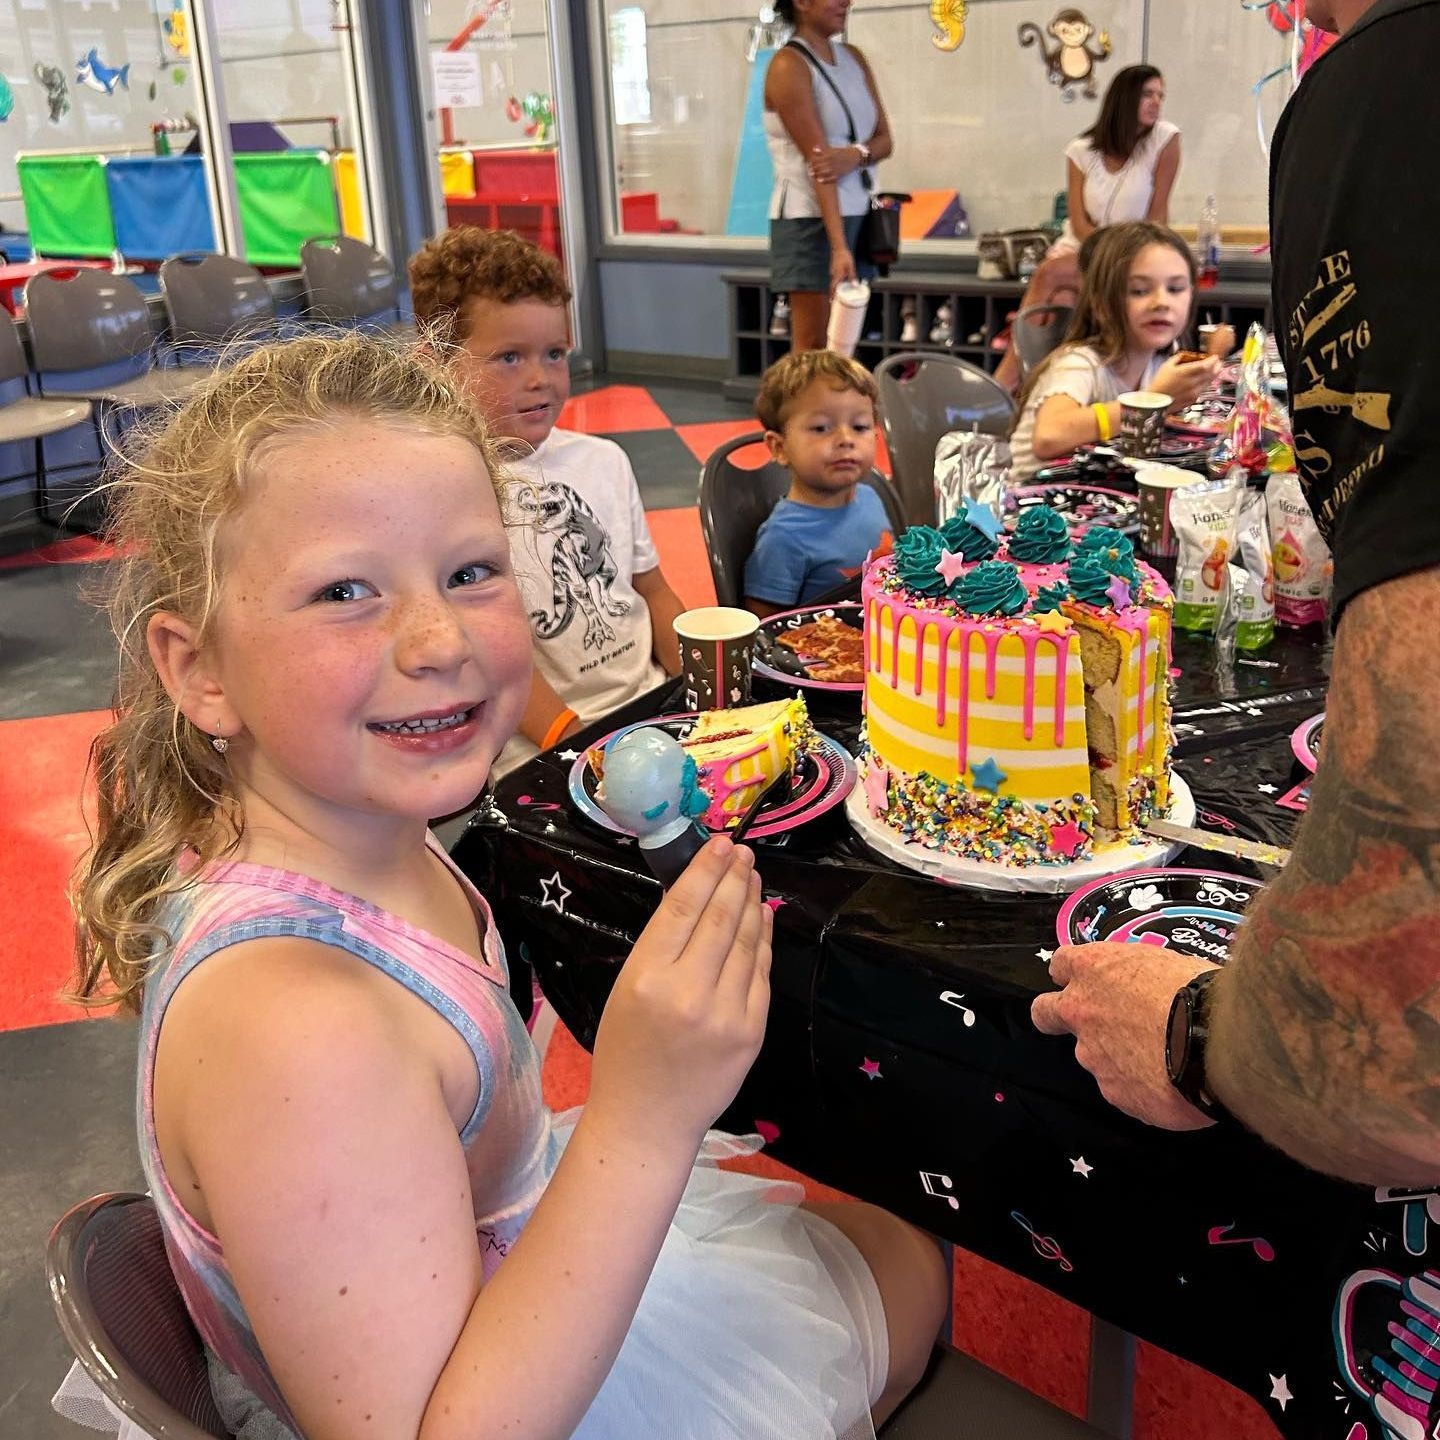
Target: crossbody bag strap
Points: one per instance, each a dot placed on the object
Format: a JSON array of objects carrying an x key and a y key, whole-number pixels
[{"x": 866, "y": 179}]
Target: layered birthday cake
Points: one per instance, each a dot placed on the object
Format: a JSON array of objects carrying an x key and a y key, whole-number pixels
[{"x": 1016, "y": 689}]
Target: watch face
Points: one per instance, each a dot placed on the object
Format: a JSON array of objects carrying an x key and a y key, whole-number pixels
[{"x": 1177, "y": 1038}]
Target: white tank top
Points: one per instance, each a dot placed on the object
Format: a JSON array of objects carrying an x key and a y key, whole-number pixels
[{"x": 793, "y": 196}]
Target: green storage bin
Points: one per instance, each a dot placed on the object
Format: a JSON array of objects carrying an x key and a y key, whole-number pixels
[
  {"x": 67, "y": 204},
  {"x": 286, "y": 198}
]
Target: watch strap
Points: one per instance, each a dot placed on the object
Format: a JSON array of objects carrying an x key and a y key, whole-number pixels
[{"x": 1185, "y": 1061}]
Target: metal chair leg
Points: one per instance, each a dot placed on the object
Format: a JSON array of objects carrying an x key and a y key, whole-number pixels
[{"x": 1111, "y": 1404}]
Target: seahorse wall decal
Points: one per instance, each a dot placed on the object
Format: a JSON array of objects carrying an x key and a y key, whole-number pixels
[{"x": 948, "y": 17}]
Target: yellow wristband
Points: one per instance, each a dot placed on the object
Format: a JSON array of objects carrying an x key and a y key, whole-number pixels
[
  {"x": 1102, "y": 416},
  {"x": 558, "y": 726}
]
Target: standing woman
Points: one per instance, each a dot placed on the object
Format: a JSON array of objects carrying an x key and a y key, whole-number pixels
[
  {"x": 1122, "y": 168},
  {"x": 820, "y": 196}
]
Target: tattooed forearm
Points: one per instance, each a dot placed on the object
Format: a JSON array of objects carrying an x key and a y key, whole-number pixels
[{"x": 1326, "y": 1025}]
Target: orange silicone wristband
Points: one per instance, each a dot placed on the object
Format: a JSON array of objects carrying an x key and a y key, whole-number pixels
[{"x": 558, "y": 727}]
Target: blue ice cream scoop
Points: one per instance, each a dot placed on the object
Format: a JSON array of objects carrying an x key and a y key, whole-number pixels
[{"x": 650, "y": 788}]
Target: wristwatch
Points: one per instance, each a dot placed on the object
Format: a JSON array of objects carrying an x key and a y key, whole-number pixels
[
  {"x": 1186, "y": 1036},
  {"x": 864, "y": 152}
]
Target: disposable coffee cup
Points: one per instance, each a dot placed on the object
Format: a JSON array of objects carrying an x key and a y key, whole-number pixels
[
  {"x": 1142, "y": 422},
  {"x": 1156, "y": 484},
  {"x": 847, "y": 316},
  {"x": 717, "y": 650}
]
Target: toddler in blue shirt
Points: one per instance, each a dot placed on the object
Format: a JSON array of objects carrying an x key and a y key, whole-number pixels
[{"x": 818, "y": 409}]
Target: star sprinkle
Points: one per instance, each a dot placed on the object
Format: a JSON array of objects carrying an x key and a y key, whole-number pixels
[
  {"x": 1266, "y": 789},
  {"x": 871, "y": 1069},
  {"x": 987, "y": 775},
  {"x": 1280, "y": 1391},
  {"x": 983, "y": 518},
  {"x": 554, "y": 893},
  {"x": 1052, "y": 622},
  {"x": 950, "y": 566},
  {"x": 1119, "y": 592},
  {"x": 1079, "y": 1167},
  {"x": 877, "y": 788},
  {"x": 1066, "y": 839}
]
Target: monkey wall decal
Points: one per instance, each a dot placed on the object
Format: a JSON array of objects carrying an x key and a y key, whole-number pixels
[
  {"x": 948, "y": 17},
  {"x": 1071, "y": 62}
]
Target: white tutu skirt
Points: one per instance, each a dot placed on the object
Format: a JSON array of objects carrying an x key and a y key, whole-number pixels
[{"x": 760, "y": 1321}]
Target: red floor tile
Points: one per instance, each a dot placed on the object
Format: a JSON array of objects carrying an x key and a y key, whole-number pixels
[
  {"x": 705, "y": 438},
  {"x": 614, "y": 410}
]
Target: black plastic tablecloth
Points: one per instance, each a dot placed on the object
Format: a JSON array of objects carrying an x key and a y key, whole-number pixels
[{"x": 957, "y": 1114}]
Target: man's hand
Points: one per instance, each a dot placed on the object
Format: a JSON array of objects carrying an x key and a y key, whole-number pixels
[{"x": 1115, "y": 1000}]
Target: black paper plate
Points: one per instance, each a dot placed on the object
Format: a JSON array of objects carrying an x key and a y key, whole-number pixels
[
  {"x": 1305, "y": 742},
  {"x": 822, "y": 780},
  {"x": 850, "y": 611},
  {"x": 1083, "y": 506},
  {"x": 1193, "y": 911}
]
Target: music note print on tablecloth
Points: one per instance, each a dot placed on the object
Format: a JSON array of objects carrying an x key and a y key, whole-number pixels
[
  {"x": 937, "y": 1184},
  {"x": 1263, "y": 1249},
  {"x": 1045, "y": 1245}
]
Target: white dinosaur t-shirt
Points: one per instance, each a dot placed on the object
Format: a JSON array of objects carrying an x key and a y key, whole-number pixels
[{"x": 578, "y": 538}]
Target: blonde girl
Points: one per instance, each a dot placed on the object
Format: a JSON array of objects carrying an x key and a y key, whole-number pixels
[
  {"x": 1138, "y": 298},
  {"x": 379, "y": 1229}
]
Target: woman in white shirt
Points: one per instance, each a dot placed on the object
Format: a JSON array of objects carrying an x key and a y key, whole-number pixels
[
  {"x": 826, "y": 130},
  {"x": 1122, "y": 168}
]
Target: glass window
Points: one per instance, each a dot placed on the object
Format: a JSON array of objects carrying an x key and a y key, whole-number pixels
[{"x": 983, "y": 123}]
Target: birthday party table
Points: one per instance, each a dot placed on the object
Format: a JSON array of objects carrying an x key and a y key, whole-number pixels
[{"x": 900, "y": 1065}]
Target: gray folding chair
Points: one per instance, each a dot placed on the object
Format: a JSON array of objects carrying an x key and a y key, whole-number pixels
[
  {"x": 24, "y": 416},
  {"x": 734, "y": 503},
  {"x": 90, "y": 337},
  {"x": 922, "y": 397},
  {"x": 1036, "y": 331},
  {"x": 350, "y": 283},
  {"x": 124, "y": 1317},
  {"x": 213, "y": 299}
]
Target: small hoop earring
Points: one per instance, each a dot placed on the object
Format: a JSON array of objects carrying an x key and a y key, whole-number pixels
[{"x": 220, "y": 744}]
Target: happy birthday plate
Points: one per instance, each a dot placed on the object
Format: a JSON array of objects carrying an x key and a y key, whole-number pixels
[
  {"x": 817, "y": 647},
  {"x": 1305, "y": 742},
  {"x": 1193, "y": 911},
  {"x": 1082, "y": 506},
  {"x": 1110, "y": 859},
  {"x": 822, "y": 780}
]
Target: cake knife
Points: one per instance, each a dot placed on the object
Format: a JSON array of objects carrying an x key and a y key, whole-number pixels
[{"x": 1255, "y": 850}]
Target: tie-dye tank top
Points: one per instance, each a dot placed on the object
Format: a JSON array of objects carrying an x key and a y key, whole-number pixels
[{"x": 509, "y": 1146}]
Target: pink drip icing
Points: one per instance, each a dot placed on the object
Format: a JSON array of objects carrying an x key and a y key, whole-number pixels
[
  {"x": 992, "y": 653},
  {"x": 940, "y": 675},
  {"x": 920, "y": 629},
  {"x": 963, "y": 717},
  {"x": 896, "y": 625},
  {"x": 1062, "y": 658},
  {"x": 1140, "y": 692},
  {"x": 723, "y": 788}
]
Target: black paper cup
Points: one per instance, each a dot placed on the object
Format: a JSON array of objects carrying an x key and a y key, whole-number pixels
[
  {"x": 1142, "y": 422},
  {"x": 717, "y": 650},
  {"x": 1155, "y": 484}
]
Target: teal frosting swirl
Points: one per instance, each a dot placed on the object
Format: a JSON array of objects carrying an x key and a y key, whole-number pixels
[
  {"x": 917, "y": 553},
  {"x": 1109, "y": 549},
  {"x": 962, "y": 538},
  {"x": 1041, "y": 536},
  {"x": 1048, "y": 599},
  {"x": 1090, "y": 581},
  {"x": 993, "y": 588}
]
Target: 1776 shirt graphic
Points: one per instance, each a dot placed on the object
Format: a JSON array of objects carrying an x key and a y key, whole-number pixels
[{"x": 1328, "y": 334}]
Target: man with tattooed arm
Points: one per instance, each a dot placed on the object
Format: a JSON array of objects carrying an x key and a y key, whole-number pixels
[{"x": 1322, "y": 1034}]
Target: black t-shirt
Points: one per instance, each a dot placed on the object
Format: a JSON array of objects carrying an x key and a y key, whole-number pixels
[{"x": 1354, "y": 226}]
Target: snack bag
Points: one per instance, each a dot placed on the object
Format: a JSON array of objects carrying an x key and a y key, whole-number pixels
[
  {"x": 1253, "y": 579},
  {"x": 1204, "y": 518},
  {"x": 1257, "y": 436},
  {"x": 1304, "y": 572}
]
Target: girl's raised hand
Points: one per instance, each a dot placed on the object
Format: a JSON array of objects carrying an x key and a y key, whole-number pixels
[
  {"x": 686, "y": 1017},
  {"x": 1185, "y": 381}
]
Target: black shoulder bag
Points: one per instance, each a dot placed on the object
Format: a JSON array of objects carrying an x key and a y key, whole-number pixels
[{"x": 879, "y": 241}]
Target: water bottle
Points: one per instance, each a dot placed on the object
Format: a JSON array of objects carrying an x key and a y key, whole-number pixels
[{"x": 1208, "y": 245}]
